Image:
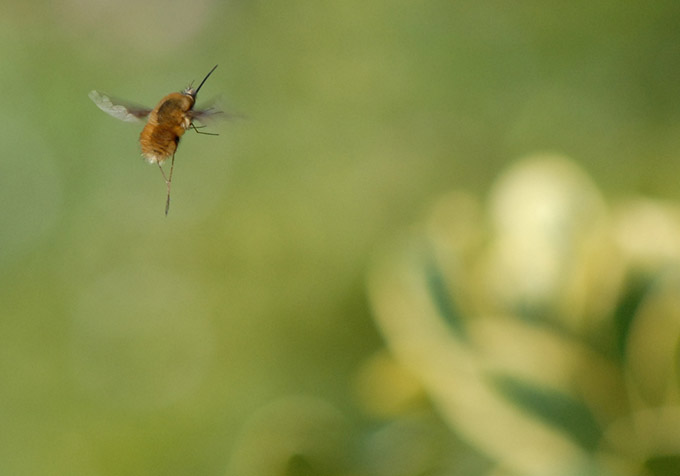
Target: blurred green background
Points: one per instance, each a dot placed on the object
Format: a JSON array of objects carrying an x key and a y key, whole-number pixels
[{"x": 132, "y": 343}]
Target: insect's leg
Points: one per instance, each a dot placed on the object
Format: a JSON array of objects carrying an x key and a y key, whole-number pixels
[
  {"x": 168, "y": 181},
  {"x": 196, "y": 128},
  {"x": 162, "y": 172}
]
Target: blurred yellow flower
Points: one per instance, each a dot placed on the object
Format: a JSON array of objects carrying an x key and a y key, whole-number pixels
[{"x": 544, "y": 324}]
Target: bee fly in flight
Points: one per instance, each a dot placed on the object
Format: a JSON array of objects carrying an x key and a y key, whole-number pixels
[{"x": 165, "y": 125}]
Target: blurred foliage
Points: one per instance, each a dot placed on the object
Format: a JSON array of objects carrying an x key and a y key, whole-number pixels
[
  {"x": 237, "y": 336},
  {"x": 544, "y": 324}
]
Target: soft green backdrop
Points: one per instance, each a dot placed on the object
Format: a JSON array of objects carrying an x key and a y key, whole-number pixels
[{"x": 132, "y": 343}]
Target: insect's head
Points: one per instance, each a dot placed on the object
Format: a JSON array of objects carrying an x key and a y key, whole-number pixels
[{"x": 190, "y": 91}]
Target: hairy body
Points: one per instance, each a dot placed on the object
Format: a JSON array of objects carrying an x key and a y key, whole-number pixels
[{"x": 165, "y": 126}]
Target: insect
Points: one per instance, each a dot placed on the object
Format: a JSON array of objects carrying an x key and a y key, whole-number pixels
[{"x": 165, "y": 125}]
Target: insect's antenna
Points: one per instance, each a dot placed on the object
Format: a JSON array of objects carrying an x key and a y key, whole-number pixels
[{"x": 195, "y": 92}]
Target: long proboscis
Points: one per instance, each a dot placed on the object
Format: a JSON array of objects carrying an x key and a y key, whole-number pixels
[{"x": 204, "y": 80}]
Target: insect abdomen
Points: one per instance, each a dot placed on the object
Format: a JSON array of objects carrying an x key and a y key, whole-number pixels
[
  {"x": 167, "y": 123},
  {"x": 158, "y": 142}
]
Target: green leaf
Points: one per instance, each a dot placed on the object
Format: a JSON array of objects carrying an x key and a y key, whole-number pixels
[
  {"x": 553, "y": 407},
  {"x": 442, "y": 299}
]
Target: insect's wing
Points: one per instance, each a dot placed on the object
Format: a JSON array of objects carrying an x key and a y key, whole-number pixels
[
  {"x": 120, "y": 110},
  {"x": 212, "y": 112},
  {"x": 203, "y": 114}
]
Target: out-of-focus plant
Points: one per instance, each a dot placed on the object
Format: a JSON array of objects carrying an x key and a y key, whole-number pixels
[{"x": 543, "y": 325}]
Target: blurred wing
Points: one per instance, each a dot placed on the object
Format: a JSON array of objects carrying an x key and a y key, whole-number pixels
[
  {"x": 124, "y": 112},
  {"x": 211, "y": 113}
]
